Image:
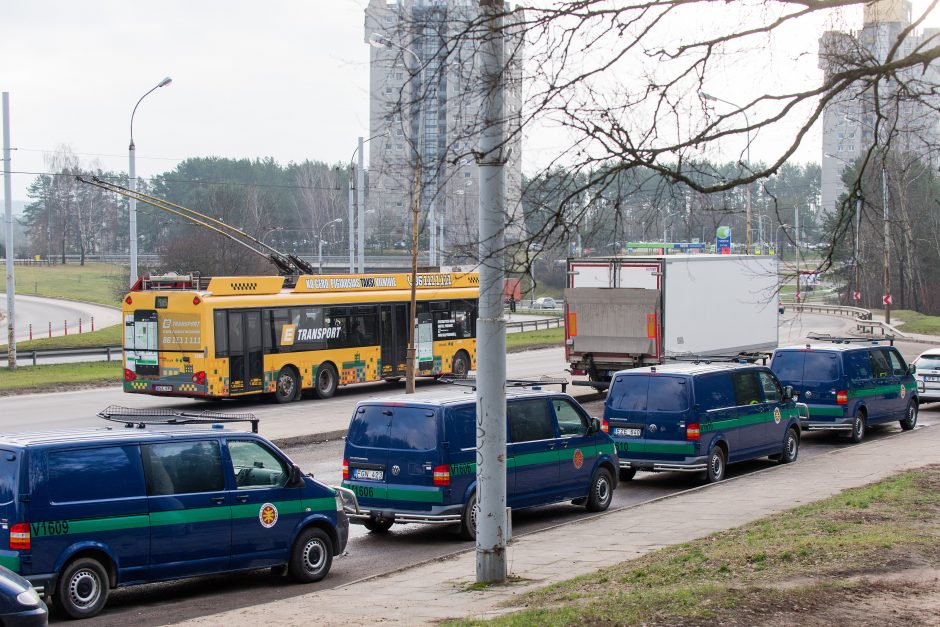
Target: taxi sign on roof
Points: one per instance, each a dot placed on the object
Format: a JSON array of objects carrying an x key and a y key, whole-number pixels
[{"x": 372, "y": 282}]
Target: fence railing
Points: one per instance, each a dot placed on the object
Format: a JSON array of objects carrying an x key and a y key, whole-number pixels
[
  {"x": 534, "y": 325},
  {"x": 863, "y": 317}
]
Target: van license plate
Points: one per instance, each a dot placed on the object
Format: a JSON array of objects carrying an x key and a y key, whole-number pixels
[
  {"x": 927, "y": 378},
  {"x": 371, "y": 475},
  {"x": 163, "y": 388},
  {"x": 632, "y": 433}
]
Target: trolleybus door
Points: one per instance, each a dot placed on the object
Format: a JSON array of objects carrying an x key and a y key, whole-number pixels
[
  {"x": 141, "y": 343},
  {"x": 394, "y": 329},
  {"x": 246, "y": 354}
]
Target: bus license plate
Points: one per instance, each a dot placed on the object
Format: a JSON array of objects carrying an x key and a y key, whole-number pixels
[
  {"x": 371, "y": 475},
  {"x": 632, "y": 433},
  {"x": 163, "y": 388}
]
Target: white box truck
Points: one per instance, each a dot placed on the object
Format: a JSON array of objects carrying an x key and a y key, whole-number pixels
[{"x": 627, "y": 312}]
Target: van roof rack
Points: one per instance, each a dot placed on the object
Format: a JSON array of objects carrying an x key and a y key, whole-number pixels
[
  {"x": 140, "y": 418},
  {"x": 471, "y": 381},
  {"x": 739, "y": 358},
  {"x": 835, "y": 339}
]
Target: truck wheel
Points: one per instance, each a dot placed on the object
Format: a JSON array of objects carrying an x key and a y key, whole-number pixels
[
  {"x": 311, "y": 557},
  {"x": 627, "y": 474},
  {"x": 858, "y": 427},
  {"x": 602, "y": 491},
  {"x": 378, "y": 525},
  {"x": 791, "y": 447},
  {"x": 716, "y": 465},
  {"x": 468, "y": 521},
  {"x": 324, "y": 385},
  {"x": 82, "y": 589},
  {"x": 287, "y": 386},
  {"x": 460, "y": 366},
  {"x": 911, "y": 417}
]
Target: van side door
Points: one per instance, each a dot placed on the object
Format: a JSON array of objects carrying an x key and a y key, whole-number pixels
[
  {"x": 749, "y": 413},
  {"x": 190, "y": 516},
  {"x": 714, "y": 397},
  {"x": 880, "y": 405},
  {"x": 776, "y": 419},
  {"x": 895, "y": 400},
  {"x": 264, "y": 511},
  {"x": 532, "y": 452},
  {"x": 576, "y": 449}
]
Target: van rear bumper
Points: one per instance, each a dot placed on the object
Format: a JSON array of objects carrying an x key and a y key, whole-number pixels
[
  {"x": 693, "y": 464},
  {"x": 430, "y": 518},
  {"x": 44, "y": 583}
]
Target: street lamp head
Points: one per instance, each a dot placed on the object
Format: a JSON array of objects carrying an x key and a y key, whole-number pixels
[
  {"x": 702, "y": 94},
  {"x": 166, "y": 81},
  {"x": 377, "y": 40}
]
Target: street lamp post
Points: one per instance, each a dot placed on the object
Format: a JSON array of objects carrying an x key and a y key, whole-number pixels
[
  {"x": 777, "y": 238},
  {"x": 377, "y": 40},
  {"x": 747, "y": 245},
  {"x": 132, "y": 175},
  {"x": 320, "y": 243},
  {"x": 357, "y": 204}
]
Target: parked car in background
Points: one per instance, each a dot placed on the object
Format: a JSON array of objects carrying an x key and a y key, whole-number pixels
[
  {"x": 20, "y": 605},
  {"x": 545, "y": 302},
  {"x": 928, "y": 375}
]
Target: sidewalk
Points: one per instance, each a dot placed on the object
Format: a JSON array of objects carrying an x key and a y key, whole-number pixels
[{"x": 434, "y": 591}]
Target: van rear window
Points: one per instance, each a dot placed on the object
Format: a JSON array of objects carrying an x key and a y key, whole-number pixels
[
  {"x": 413, "y": 428},
  {"x": 460, "y": 429},
  {"x": 369, "y": 426},
  {"x": 629, "y": 392},
  {"x": 94, "y": 474},
  {"x": 667, "y": 394},
  {"x": 788, "y": 365},
  {"x": 821, "y": 367},
  {"x": 9, "y": 462}
]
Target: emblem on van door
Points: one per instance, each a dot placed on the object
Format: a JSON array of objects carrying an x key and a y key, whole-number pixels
[
  {"x": 578, "y": 458},
  {"x": 903, "y": 391},
  {"x": 396, "y": 470},
  {"x": 777, "y": 415},
  {"x": 809, "y": 394},
  {"x": 267, "y": 515},
  {"x": 653, "y": 428}
]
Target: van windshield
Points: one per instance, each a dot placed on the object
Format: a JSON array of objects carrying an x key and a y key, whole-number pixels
[{"x": 8, "y": 465}]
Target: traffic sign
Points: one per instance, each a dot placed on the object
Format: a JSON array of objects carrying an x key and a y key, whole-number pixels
[
  {"x": 887, "y": 299},
  {"x": 856, "y": 296},
  {"x": 797, "y": 297}
]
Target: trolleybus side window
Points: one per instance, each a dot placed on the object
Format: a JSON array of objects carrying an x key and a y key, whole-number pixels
[
  {"x": 274, "y": 321},
  {"x": 464, "y": 318},
  {"x": 221, "y": 333}
]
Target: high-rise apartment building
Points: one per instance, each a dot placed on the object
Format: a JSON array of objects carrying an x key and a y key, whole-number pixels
[
  {"x": 426, "y": 107},
  {"x": 849, "y": 121}
]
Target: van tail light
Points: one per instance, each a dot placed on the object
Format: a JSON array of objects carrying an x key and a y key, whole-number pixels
[
  {"x": 19, "y": 537},
  {"x": 345, "y": 469},
  {"x": 692, "y": 432},
  {"x": 129, "y": 375},
  {"x": 442, "y": 476},
  {"x": 199, "y": 378},
  {"x": 605, "y": 426},
  {"x": 842, "y": 397}
]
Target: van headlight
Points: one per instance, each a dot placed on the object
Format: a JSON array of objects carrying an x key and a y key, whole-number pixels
[{"x": 28, "y": 597}]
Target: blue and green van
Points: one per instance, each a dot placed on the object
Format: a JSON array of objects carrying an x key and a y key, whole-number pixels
[
  {"x": 84, "y": 511},
  {"x": 414, "y": 460},
  {"x": 849, "y": 387},
  {"x": 694, "y": 417}
]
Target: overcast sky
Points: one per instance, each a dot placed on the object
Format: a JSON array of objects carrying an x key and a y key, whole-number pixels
[{"x": 287, "y": 79}]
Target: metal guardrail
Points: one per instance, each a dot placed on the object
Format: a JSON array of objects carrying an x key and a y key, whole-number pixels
[
  {"x": 832, "y": 310},
  {"x": 535, "y": 325},
  {"x": 107, "y": 351}
]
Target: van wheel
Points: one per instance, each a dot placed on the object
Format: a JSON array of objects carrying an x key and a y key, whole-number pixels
[
  {"x": 602, "y": 491},
  {"x": 286, "y": 387},
  {"x": 791, "y": 447},
  {"x": 717, "y": 461},
  {"x": 326, "y": 381},
  {"x": 911, "y": 420},
  {"x": 627, "y": 474},
  {"x": 83, "y": 588},
  {"x": 311, "y": 557},
  {"x": 460, "y": 366},
  {"x": 380, "y": 525},
  {"x": 468, "y": 522},
  {"x": 858, "y": 427}
]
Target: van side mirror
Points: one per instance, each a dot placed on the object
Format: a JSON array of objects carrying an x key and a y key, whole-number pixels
[
  {"x": 788, "y": 392},
  {"x": 911, "y": 369},
  {"x": 595, "y": 426},
  {"x": 296, "y": 477}
]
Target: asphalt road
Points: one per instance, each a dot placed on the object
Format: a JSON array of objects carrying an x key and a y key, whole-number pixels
[
  {"x": 405, "y": 545},
  {"x": 40, "y": 311}
]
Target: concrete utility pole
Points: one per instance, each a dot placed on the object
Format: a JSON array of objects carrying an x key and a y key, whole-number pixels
[
  {"x": 491, "y": 522},
  {"x": 352, "y": 219},
  {"x": 887, "y": 259},
  {"x": 8, "y": 214}
]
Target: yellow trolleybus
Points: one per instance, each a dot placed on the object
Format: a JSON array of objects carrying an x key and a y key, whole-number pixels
[{"x": 233, "y": 336}]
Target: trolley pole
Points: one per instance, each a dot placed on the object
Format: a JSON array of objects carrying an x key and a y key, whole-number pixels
[
  {"x": 491, "y": 520},
  {"x": 8, "y": 215}
]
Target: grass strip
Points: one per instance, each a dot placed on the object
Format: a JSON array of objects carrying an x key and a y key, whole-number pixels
[
  {"x": 47, "y": 378},
  {"x": 108, "y": 336},
  {"x": 805, "y": 558},
  {"x": 535, "y": 339},
  {"x": 916, "y": 322},
  {"x": 94, "y": 282}
]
